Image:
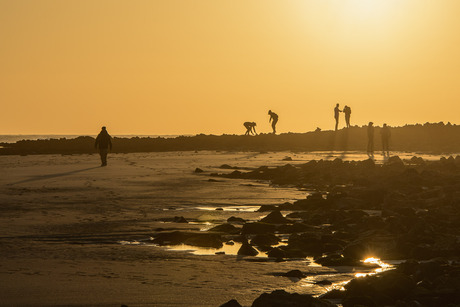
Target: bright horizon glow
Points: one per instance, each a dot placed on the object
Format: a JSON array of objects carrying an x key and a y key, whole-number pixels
[{"x": 181, "y": 67}]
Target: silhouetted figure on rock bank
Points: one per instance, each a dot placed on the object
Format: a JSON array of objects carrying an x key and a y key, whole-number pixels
[
  {"x": 250, "y": 128},
  {"x": 103, "y": 143},
  {"x": 386, "y": 134},
  {"x": 336, "y": 116},
  {"x": 273, "y": 119},
  {"x": 347, "y": 112},
  {"x": 370, "y": 139}
]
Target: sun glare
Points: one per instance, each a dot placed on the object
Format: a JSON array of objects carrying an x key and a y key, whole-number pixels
[{"x": 367, "y": 9}]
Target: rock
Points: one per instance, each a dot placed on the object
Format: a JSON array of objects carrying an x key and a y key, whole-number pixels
[
  {"x": 247, "y": 250},
  {"x": 179, "y": 219},
  {"x": 233, "y": 219},
  {"x": 226, "y": 228},
  {"x": 231, "y": 303},
  {"x": 324, "y": 282},
  {"x": 275, "y": 217},
  {"x": 358, "y": 301},
  {"x": 358, "y": 251},
  {"x": 265, "y": 208},
  {"x": 294, "y": 274},
  {"x": 265, "y": 240},
  {"x": 204, "y": 240},
  {"x": 337, "y": 260},
  {"x": 258, "y": 228},
  {"x": 198, "y": 170},
  {"x": 170, "y": 238},
  {"x": 287, "y": 158},
  {"x": 280, "y": 298},
  {"x": 276, "y": 253}
]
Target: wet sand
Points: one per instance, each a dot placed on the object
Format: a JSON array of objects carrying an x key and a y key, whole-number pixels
[
  {"x": 74, "y": 233},
  {"x": 63, "y": 218}
]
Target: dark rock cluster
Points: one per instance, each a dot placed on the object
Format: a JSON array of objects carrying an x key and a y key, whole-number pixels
[{"x": 398, "y": 210}]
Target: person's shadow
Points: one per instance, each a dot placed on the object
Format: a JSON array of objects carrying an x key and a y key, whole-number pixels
[{"x": 49, "y": 176}]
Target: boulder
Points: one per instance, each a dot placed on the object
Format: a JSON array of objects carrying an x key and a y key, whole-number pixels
[
  {"x": 234, "y": 219},
  {"x": 231, "y": 303},
  {"x": 204, "y": 240},
  {"x": 258, "y": 228},
  {"x": 265, "y": 240},
  {"x": 225, "y": 228},
  {"x": 275, "y": 217},
  {"x": 247, "y": 250},
  {"x": 282, "y": 298}
]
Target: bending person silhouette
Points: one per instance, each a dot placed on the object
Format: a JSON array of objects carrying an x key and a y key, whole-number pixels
[
  {"x": 370, "y": 139},
  {"x": 336, "y": 116},
  {"x": 347, "y": 112},
  {"x": 103, "y": 143},
  {"x": 385, "y": 134},
  {"x": 273, "y": 119},
  {"x": 250, "y": 128}
]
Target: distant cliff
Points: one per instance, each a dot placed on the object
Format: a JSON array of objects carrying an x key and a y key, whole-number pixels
[{"x": 435, "y": 138}]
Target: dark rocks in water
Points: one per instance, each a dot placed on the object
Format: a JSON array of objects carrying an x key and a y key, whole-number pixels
[
  {"x": 246, "y": 249},
  {"x": 231, "y": 303},
  {"x": 337, "y": 260},
  {"x": 258, "y": 228},
  {"x": 179, "y": 219},
  {"x": 280, "y": 298},
  {"x": 276, "y": 253},
  {"x": 359, "y": 301},
  {"x": 265, "y": 240},
  {"x": 310, "y": 243},
  {"x": 234, "y": 219},
  {"x": 293, "y": 228},
  {"x": 205, "y": 240},
  {"x": 171, "y": 238},
  {"x": 265, "y": 208},
  {"x": 356, "y": 251},
  {"x": 383, "y": 289},
  {"x": 198, "y": 170},
  {"x": 294, "y": 274},
  {"x": 275, "y": 217},
  {"x": 226, "y": 228},
  {"x": 195, "y": 239},
  {"x": 324, "y": 282}
]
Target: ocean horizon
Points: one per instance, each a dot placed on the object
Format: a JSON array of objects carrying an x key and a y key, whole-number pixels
[{"x": 13, "y": 138}]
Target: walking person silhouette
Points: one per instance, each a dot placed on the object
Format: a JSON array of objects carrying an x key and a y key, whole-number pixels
[
  {"x": 347, "y": 112},
  {"x": 336, "y": 116},
  {"x": 385, "y": 133},
  {"x": 273, "y": 119},
  {"x": 250, "y": 128},
  {"x": 370, "y": 139},
  {"x": 103, "y": 143}
]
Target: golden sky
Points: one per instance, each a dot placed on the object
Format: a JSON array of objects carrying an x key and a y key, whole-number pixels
[{"x": 187, "y": 67}]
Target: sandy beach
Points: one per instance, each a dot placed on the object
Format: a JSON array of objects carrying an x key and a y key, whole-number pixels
[
  {"x": 75, "y": 233},
  {"x": 64, "y": 218}
]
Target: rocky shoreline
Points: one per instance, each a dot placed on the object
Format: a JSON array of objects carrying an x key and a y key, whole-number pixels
[
  {"x": 405, "y": 210},
  {"x": 430, "y": 137}
]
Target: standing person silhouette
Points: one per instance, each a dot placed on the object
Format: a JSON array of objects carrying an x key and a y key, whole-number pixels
[
  {"x": 103, "y": 143},
  {"x": 370, "y": 139},
  {"x": 385, "y": 134},
  {"x": 336, "y": 116},
  {"x": 273, "y": 119},
  {"x": 347, "y": 112},
  {"x": 250, "y": 128}
]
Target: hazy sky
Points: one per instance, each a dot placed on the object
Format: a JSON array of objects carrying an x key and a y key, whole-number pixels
[{"x": 186, "y": 67}]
